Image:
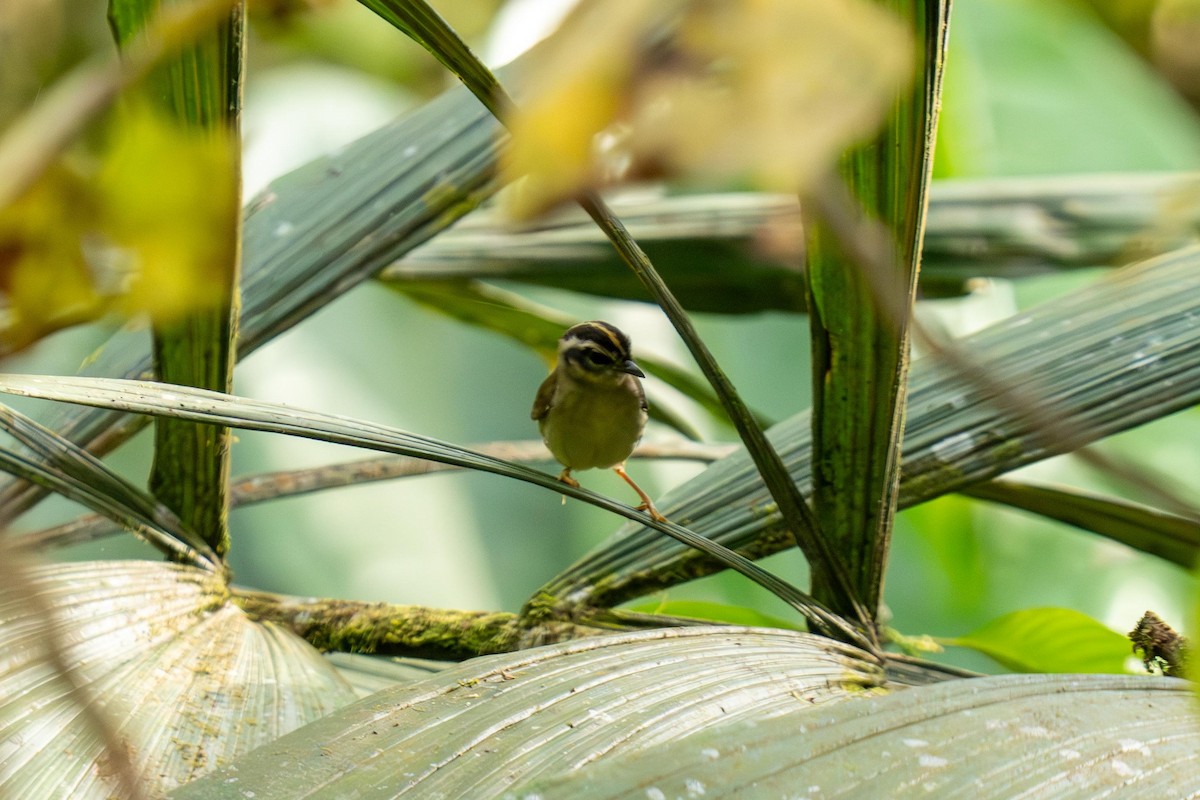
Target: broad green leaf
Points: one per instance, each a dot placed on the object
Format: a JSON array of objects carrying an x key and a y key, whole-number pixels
[
  {"x": 1174, "y": 538},
  {"x": 1029, "y": 225},
  {"x": 1100, "y": 355},
  {"x": 369, "y": 674},
  {"x": 724, "y": 253},
  {"x": 189, "y": 681},
  {"x": 734, "y": 253},
  {"x": 1049, "y": 640},
  {"x": 1043, "y": 87},
  {"x": 476, "y": 728},
  {"x": 996, "y": 738}
]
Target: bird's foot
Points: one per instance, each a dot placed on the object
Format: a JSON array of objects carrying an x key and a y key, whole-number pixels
[
  {"x": 647, "y": 504},
  {"x": 565, "y": 477}
]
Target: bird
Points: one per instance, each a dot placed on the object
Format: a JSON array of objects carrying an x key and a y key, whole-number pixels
[{"x": 591, "y": 409}]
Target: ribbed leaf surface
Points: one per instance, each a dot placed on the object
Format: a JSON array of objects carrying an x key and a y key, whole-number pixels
[
  {"x": 1012, "y": 736},
  {"x": 475, "y": 729},
  {"x": 188, "y": 681}
]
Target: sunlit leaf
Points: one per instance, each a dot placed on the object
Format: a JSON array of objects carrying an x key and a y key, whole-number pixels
[
  {"x": 1049, "y": 640},
  {"x": 188, "y": 680},
  {"x": 474, "y": 729},
  {"x": 317, "y": 232}
]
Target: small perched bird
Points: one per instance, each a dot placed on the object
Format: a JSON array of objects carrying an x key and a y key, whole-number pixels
[{"x": 591, "y": 409}]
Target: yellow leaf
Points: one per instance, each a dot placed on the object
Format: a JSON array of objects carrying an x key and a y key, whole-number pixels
[
  {"x": 170, "y": 198},
  {"x": 147, "y": 226},
  {"x": 44, "y": 276},
  {"x": 760, "y": 92}
]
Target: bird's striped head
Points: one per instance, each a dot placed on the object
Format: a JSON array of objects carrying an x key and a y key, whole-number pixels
[{"x": 596, "y": 351}]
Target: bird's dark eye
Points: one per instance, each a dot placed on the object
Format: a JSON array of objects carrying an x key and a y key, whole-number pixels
[{"x": 599, "y": 359}]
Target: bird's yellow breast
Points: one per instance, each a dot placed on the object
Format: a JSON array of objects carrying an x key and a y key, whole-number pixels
[{"x": 593, "y": 426}]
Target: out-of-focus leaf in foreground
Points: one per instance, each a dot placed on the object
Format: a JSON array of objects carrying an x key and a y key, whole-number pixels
[
  {"x": 702, "y": 90},
  {"x": 1028, "y": 736},
  {"x": 187, "y": 680},
  {"x": 475, "y": 729},
  {"x": 1049, "y": 640},
  {"x": 110, "y": 234}
]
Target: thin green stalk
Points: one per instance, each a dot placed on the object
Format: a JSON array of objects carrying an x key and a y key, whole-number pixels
[
  {"x": 201, "y": 86},
  {"x": 860, "y": 352}
]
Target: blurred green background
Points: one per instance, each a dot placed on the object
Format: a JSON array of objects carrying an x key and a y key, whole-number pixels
[{"x": 1032, "y": 87}]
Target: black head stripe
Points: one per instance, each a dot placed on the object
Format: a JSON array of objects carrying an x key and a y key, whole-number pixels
[{"x": 610, "y": 339}]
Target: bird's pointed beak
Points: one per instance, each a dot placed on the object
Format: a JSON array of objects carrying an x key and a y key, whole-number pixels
[{"x": 630, "y": 367}]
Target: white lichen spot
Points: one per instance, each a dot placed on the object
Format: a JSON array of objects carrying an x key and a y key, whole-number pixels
[
  {"x": 1037, "y": 731},
  {"x": 1134, "y": 746},
  {"x": 409, "y": 151},
  {"x": 1069, "y": 754},
  {"x": 654, "y": 793},
  {"x": 284, "y": 228},
  {"x": 915, "y": 743},
  {"x": 952, "y": 447},
  {"x": 694, "y": 786},
  {"x": 599, "y": 716},
  {"x": 933, "y": 762},
  {"x": 1143, "y": 359},
  {"x": 711, "y": 753},
  {"x": 1123, "y": 769}
]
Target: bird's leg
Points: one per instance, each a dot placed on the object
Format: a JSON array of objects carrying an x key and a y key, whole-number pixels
[
  {"x": 647, "y": 504},
  {"x": 565, "y": 477}
]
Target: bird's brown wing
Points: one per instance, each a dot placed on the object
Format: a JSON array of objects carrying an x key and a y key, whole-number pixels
[{"x": 545, "y": 396}]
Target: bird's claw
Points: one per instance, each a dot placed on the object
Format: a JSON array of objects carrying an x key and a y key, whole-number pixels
[{"x": 653, "y": 512}]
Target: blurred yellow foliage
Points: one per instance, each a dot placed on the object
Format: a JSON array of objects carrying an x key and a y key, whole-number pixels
[
  {"x": 143, "y": 227},
  {"x": 765, "y": 93}
]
